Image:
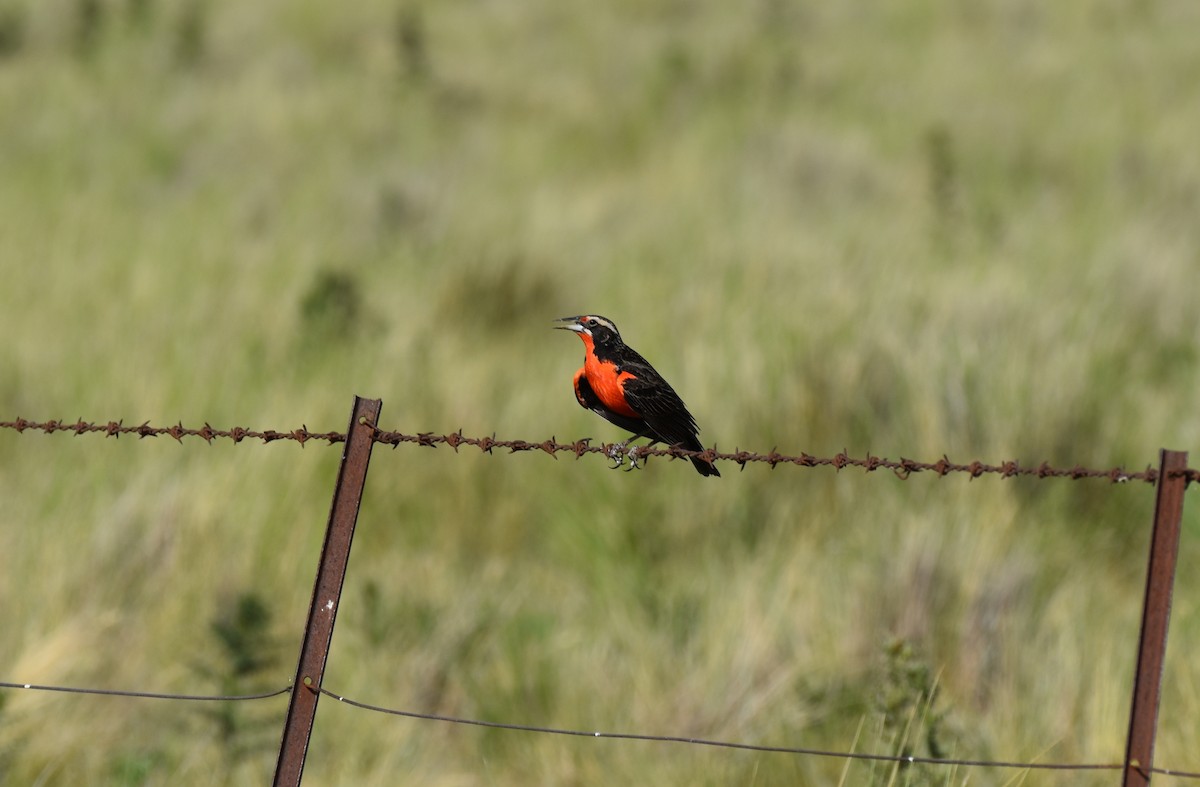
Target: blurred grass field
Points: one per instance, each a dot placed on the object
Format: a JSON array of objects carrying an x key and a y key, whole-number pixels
[{"x": 905, "y": 228}]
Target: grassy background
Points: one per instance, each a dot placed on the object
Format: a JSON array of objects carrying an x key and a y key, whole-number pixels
[{"x": 903, "y": 227}]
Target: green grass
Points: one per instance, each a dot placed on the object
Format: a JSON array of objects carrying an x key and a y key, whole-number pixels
[{"x": 911, "y": 230}]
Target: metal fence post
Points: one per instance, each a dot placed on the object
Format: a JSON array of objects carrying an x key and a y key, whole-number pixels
[
  {"x": 1156, "y": 615},
  {"x": 327, "y": 591}
]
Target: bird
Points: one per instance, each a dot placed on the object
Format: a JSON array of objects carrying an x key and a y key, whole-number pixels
[{"x": 619, "y": 385}]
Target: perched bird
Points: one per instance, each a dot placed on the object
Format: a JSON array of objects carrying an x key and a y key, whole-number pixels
[{"x": 621, "y": 386}]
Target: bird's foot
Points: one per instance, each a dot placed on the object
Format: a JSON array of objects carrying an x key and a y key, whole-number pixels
[
  {"x": 622, "y": 453},
  {"x": 617, "y": 452},
  {"x": 632, "y": 454}
]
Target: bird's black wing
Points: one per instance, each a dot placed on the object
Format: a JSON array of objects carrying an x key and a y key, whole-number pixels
[
  {"x": 664, "y": 412},
  {"x": 655, "y": 400}
]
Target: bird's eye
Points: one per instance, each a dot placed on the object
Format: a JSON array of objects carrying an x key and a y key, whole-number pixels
[{"x": 589, "y": 322}]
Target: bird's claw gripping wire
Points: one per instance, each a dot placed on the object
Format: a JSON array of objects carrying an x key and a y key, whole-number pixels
[
  {"x": 619, "y": 453},
  {"x": 616, "y": 453}
]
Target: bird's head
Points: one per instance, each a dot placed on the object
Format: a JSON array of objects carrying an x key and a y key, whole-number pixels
[{"x": 593, "y": 329}]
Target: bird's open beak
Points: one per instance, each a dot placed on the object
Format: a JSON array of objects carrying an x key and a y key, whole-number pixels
[{"x": 574, "y": 324}]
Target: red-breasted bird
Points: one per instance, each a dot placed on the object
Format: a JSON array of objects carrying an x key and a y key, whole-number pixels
[{"x": 620, "y": 386}]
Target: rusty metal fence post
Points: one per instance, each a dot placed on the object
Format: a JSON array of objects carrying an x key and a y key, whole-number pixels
[
  {"x": 1156, "y": 616},
  {"x": 327, "y": 591}
]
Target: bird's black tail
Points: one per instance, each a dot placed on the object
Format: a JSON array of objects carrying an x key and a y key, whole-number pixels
[
  {"x": 705, "y": 468},
  {"x": 702, "y": 467}
]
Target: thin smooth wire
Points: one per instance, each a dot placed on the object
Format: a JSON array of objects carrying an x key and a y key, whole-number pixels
[
  {"x": 149, "y": 695},
  {"x": 1176, "y": 774},
  {"x": 720, "y": 744},
  {"x": 799, "y": 750}
]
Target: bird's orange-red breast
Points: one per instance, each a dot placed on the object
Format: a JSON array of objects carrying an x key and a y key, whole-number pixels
[
  {"x": 606, "y": 378},
  {"x": 622, "y": 387}
]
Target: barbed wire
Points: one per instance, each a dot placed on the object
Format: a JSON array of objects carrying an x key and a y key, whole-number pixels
[
  {"x": 147, "y": 695},
  {"x": 627, "y": 736},
  {"x": 903, "y": 467},
  {"x": 617, "y": 452},
  {"x": 117, "y": 428}
]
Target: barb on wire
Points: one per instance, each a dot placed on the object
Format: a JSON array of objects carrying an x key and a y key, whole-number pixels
[
  {"x": 801, "y": 750},
  {"x": 903, "y": 468},
  {"x": 147, "y": 695}
]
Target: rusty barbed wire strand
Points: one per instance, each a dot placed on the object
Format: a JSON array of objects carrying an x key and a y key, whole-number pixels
[
  {"x": 117, "y": 428},
  {"x": 902, "y": 468}
]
